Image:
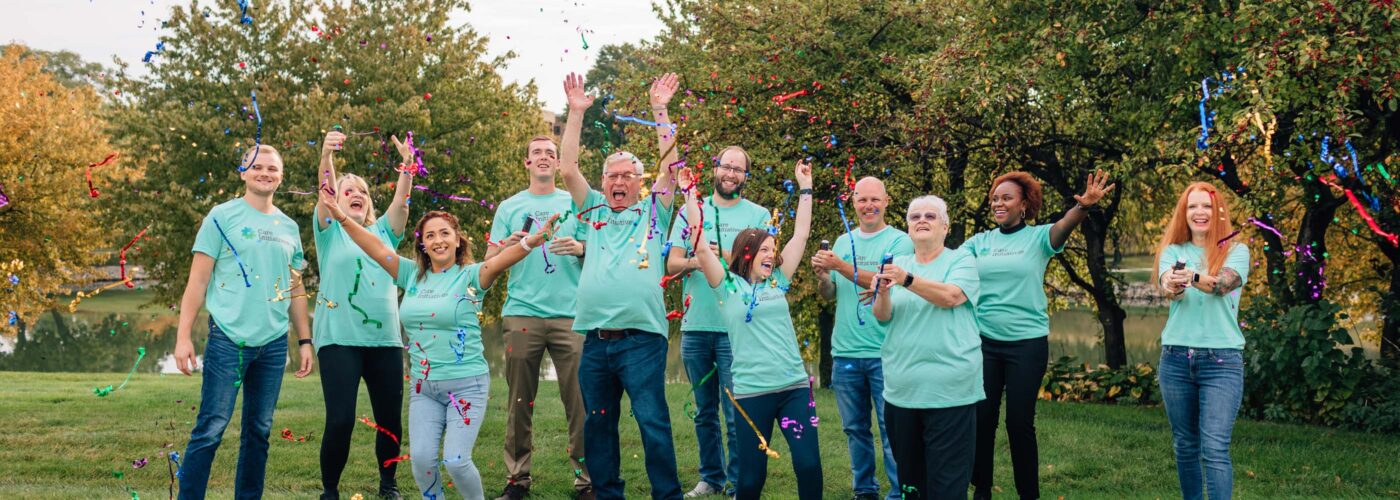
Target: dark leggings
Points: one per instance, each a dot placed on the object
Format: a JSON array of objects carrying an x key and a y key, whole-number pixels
[
  {"x": 933, "y": 449},
  {"x": 1015, "y": 367},
  {"x": 794, "y": 405},
  {"x": 342, "y": 367}
]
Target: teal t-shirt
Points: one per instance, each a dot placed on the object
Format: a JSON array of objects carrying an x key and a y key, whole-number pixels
[
  {"x": 336, "y": 254},
  {"x": 242, "y": 292},
  {"x": 932, "y": 355},
  {"x": 857, "y": 334},
  {"x": 439, "y": 314},
  {"x": 761, "y": 334},
  {"x": 1201, "y": 319},
  {"x": 543, "y": 285},
  {"x": 620, "y": 286},
  {"x": 1012, "y": 304},
  {"x": 721, "y": 226}
]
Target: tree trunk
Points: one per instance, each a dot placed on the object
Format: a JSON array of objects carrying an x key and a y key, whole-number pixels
[
  {"x": 826, "y": 321},
  {"x": 957, "y": 183},
  {"x": 1390, "y": 309}
]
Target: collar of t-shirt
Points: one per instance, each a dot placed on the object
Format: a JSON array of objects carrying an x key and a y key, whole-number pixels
[
  {"x": 1017, "y": 227},
  {"x": 860, "y": 233}
]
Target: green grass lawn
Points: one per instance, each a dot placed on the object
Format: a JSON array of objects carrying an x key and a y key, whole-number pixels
[{"x": 61, "y": 441}]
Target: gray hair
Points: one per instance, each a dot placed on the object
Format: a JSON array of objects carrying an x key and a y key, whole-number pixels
[
  {"x": 622, "y": 156},
  {"x": 939, "y": 206}
]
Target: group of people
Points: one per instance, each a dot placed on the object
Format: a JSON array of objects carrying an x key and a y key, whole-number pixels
[{"x": 927, "y": 339}]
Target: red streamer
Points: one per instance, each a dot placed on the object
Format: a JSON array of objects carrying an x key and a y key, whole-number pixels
[
  {"x": 92, "y": 191},
  {"x": 386, "y": 432}
]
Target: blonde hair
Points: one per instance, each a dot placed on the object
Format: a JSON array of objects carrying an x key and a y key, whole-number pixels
[{"x": 369, "y": 209}]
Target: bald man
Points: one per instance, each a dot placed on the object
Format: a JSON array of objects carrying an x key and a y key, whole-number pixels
[{"x": 857, "y": 376}]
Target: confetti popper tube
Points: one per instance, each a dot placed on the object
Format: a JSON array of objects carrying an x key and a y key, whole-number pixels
[{"x": 762, "y": 443}]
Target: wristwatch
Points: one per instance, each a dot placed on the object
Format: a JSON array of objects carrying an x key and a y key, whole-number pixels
[{"x": 908, "y": 279}]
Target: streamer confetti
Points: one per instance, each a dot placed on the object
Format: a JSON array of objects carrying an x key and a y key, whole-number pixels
[
  {"x": 239, "y": 382},
  {"x": 377, "y": 428},
  {"x": 92, "y": 191},
  {"x": 762, "y": 443},
  {"x": 241, "y": 269},
  {"x": 4, "y": 198},
  {"x": 462, "y": 405},
  {"x": 855, "y": 277},
  {"x": 359, "y": 268},
  {"x": 244, "y": 18},
  {"x": 257, "y": 137},
  {"x": 102, "y": 392},
  {"x": 160, "y": 47},
  {"x": 287, "y": 435},
  {"x": 689, "y": 407}
]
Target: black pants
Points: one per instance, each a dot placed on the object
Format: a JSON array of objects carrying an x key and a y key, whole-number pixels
[
  {"x": 794, "y": 406},
  {"x": 342, "y": 367},
  {"x": 933, "y": 449},
  {"x": 1015, "y": 368}
]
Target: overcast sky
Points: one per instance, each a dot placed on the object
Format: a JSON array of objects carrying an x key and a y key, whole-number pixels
[{"x": 545, "y": 34}]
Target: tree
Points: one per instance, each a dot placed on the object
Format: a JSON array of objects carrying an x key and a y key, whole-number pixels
[
  {"x": 375, "y": 69},
  {"x": 51, "y": 228}
]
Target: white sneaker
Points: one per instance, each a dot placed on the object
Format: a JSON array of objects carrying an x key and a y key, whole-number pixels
[{"x": 702, "y": 489}]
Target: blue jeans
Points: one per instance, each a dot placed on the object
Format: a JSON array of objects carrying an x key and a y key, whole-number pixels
[
  {"x": 1201, "y": 389},
  {"x": 434, "y": 420},
  {"x": 701, "y": 352},
  {"x": 635, "y": 364},
  {"x": 857, "y": 382},
  {"x": 260, "y": 377}
]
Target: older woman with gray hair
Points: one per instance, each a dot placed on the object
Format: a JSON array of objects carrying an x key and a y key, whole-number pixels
[{"x": 932, "y": 357}]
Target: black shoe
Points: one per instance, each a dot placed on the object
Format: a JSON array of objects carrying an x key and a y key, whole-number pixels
[
  {"x": 585, "y": 494},
  {"x": 516, "y": 492},
  {"x": 389, "y": 490},
  {"x": 330, "y": 495}
]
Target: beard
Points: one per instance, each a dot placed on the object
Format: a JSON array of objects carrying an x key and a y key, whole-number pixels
[{"x": 738, "y": 190}]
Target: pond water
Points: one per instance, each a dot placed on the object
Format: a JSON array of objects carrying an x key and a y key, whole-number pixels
[{"x": 103, "y": 336}]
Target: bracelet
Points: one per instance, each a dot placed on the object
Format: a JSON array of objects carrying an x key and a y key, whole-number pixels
[
  {"x": 804, "y": 191},
  {"x": 525, "y": 245},
  {"x": 908, "y": 279},
  {"x": 303, "y": 341}
]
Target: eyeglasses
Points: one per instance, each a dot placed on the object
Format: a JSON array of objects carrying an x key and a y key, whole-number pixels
[
  {"x": 732, "y": 169},
  {"x": 624, "y": 176},
  {"x": 925, "y": 216}
]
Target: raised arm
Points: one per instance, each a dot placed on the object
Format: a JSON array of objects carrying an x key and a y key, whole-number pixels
[
  {"x": 381, "y": 254},
  {"x": 569, "y": 149},
  {"x": 797, "y": 245},
  {"x": 325, "y": 172},
  {"x": 705, "y": 255},
  {"x": 661, "y": 92},
  {"x": 1094, "y": 191},
  {"x": 398, "y": 207},
  {"x": 496, "y": 266}
]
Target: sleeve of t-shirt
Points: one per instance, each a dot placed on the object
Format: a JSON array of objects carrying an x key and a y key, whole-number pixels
[
  {"x": 593, "y": 199},
  {"x": 962, "y": 273},
  {"x": 971, "y": 245},
  {"x": 663, "y": 215},
  {"x": 473, "y": 279},
  {"x": 298, "y": 253},
  {"x": 1238, "y": 259},
  {"x": 1044, "y": 236},
  {"x": 322, "y": 237},
  {"x": 1166, "y": 261},
  {"x": 386, "y": 232},
  {"x": 207, "y": 241},
  {"x": 408, "y": 268},
  {"x": 500, "y": 225},
  {"x": 902, "y": 245},
  {"x": 680, "y": 238}
]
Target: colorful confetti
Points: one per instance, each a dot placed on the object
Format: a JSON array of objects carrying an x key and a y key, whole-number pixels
[{"x": 102, "y": 392}]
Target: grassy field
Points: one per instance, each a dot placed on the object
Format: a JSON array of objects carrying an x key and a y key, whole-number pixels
[{"x": 61, "y": 441}]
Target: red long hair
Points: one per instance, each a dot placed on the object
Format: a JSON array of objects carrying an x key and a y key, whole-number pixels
[{"x": 1179, "y": 229}]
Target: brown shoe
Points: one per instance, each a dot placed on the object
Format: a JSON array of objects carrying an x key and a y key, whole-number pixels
[
  {"x": 514, "y": 492},
  {"x": 585, "y": 494}
]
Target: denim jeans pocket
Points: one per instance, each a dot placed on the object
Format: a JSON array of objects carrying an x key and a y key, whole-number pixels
[{"x": 1229, "y": 359}]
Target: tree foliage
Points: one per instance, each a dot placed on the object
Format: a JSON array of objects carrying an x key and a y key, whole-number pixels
[
  {"x": 51, "y": 235},
  {"x": 375, "y": 69}
]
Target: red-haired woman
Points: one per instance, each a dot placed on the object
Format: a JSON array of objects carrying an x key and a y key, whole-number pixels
[
  {"x": 1011, "y": 314},
  {"x": 443, "y": 289},
  {"x": 1201, "y": 269},
  {"x": 770, "y": 381}
]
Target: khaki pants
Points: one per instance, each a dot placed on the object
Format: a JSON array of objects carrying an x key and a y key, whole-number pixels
[{"x": 526, "y": 340}]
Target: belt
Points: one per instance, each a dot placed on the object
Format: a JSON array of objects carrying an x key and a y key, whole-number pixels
[{"x": 615, "y": 334}]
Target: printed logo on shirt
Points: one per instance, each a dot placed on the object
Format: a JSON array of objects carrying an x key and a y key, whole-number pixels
[
  {"x": 1001, "y": 252},
  {"x": 430, "y": 294}
]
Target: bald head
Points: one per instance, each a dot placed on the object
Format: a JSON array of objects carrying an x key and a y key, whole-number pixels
[{"x": 870, "y": 201}]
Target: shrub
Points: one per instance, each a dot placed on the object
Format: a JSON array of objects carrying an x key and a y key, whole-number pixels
[{"x": 1068, "y": 380}]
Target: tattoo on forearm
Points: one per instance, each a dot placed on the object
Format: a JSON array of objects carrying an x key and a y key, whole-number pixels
[{"x": 1227, "y": 281}]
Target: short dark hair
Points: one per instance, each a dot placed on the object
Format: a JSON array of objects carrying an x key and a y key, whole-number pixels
[
  {"x": 1030, "y": 191},
  {"x": 537, "y": 139},
  {"x": 746, "y": 245},
  {"x": 748, "y": 162}
]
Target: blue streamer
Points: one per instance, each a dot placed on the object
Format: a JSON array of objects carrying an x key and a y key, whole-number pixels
[
  {"x": 257, "y": 137},
  {"x": 855, "y": 266},
  {"x": 241, "y": 269}
]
